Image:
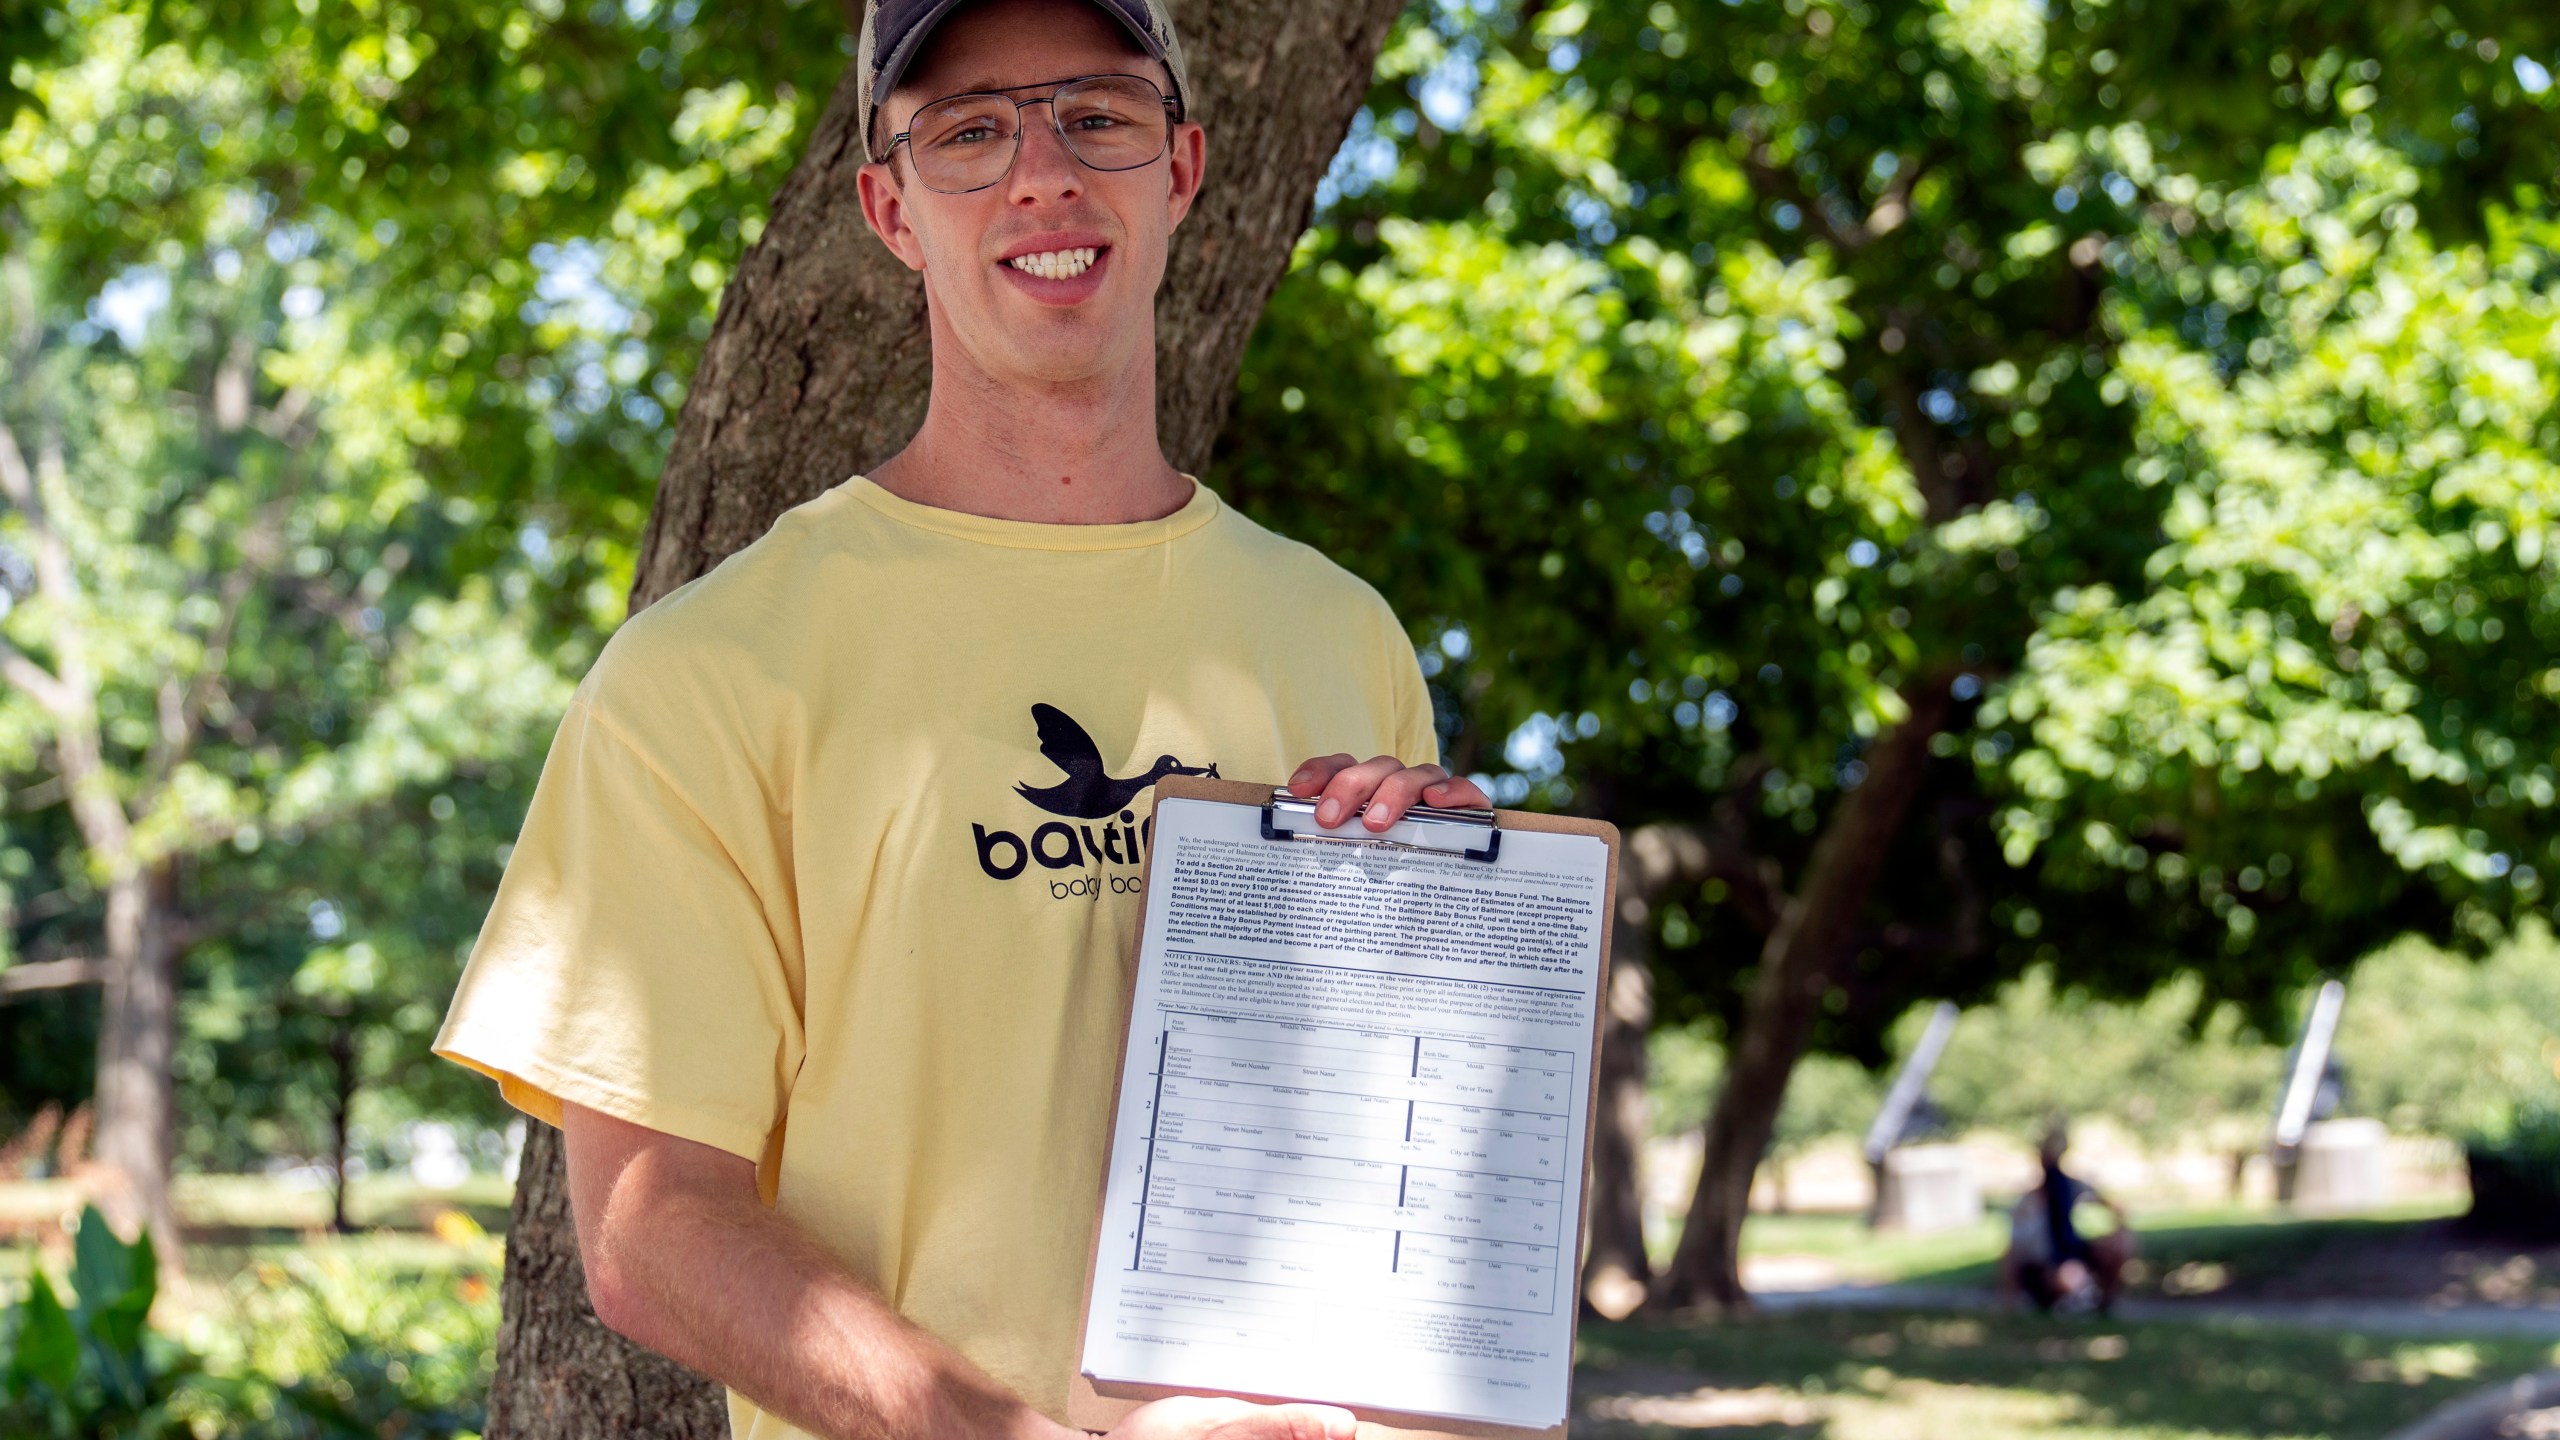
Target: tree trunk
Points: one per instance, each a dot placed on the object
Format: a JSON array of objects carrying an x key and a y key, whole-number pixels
[
  {"x": 342, "y": 1098},
  {"x": 1808, "y": 950},
  {"x": 560, "y": 1372},
  {"x": 137, "y": 1095},
  {"x": 818, "y": 366},
  {"x": 1616, "y": 1272}
]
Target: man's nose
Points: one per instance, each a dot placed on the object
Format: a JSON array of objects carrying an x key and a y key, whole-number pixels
[{"x": 1044, "y": 168}]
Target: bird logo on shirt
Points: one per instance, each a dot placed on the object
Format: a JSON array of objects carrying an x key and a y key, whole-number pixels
[{"x": 1090, "y": 792}]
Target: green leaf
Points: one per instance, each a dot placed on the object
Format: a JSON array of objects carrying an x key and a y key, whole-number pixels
[
  {"x": 116, "y": 1283},
  {"x": 48, "y": 1348},
  {"x": 105, "y": 1270}
]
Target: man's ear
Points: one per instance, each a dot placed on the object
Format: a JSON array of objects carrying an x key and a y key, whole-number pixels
[
  {"x": 884, "y": 207},
  {"x": 1190, "y": 153}
]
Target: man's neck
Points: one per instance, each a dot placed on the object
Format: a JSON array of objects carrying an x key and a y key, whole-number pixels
[{"x": 1074, "y": 454}]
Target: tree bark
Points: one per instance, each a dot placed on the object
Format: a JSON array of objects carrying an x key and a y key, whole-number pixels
[
  {"x": 560, "y": 1372},
  {"x": 1799, "y": 962},
  {"x": 342, "y": 1104},
  {"x": 137, "y": 1093},
  {"x": 1616, "y": 1272},
  {"x": 818, "y": 367}
]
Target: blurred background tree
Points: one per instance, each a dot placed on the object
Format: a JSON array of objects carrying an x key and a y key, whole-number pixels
[{"x": 241, "y": 620}]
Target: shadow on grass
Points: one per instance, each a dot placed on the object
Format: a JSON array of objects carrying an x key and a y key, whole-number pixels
[{"x": 1983, "y": 1377}]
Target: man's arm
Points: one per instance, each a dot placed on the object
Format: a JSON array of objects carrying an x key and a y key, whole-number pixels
[{"x": 684, "y": 1258}]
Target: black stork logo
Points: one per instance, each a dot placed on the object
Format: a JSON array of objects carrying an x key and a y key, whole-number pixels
[
  {"x": 1088, "y": 795},
  {"x": 1090, "y": 792}
]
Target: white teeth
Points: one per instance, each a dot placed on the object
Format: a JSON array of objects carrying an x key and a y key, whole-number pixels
[{"x": 1056, "y": 264}]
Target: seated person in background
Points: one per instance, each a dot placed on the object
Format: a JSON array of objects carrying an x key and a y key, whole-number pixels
[{"x": 2049, "y": 1260}]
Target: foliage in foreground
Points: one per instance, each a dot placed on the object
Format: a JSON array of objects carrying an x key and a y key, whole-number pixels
[
  {"x": 91, "y": 1367},
  {"x": 311, "y": 1346}
]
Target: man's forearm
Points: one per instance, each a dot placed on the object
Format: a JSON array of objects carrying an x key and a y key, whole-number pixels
[{"x": 685, "y": 1261}]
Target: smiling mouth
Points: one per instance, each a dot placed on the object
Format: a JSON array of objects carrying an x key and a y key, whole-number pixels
[{"x": 1056, "y": 264}]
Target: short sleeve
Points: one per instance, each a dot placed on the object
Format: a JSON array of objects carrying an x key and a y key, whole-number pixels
[
  {"x": 639, "y": 958},
  {"x": 1417, "y": 735}
]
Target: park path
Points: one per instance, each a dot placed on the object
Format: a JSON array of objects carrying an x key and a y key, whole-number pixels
[{"x": 2411, "y": 1319}]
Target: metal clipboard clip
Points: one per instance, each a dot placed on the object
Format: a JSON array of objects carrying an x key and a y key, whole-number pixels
[{"x": 1470, "y": 833}]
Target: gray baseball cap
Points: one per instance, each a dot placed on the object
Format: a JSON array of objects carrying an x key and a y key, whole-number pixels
[{"x": 894, "y": 32}]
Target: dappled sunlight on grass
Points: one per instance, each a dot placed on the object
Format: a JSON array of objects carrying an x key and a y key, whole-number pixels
[
  {"x": 2206, "y": 1250},
  {"x": 1845, "y": 1375}
]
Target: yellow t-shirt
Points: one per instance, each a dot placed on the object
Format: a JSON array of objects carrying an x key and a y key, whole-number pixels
[{"x": 834, "y": 865}]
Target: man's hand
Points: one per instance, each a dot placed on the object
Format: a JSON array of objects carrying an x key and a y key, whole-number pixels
[
  {"x": 1188, "y": 1417},
  {"x": 1388, "y": 786}
]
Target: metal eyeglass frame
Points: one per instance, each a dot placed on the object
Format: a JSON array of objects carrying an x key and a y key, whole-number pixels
[{"x": 1173, "y": 116}]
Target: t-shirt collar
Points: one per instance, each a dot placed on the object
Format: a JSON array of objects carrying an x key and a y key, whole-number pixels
[{"x": 1199, "y": 510}]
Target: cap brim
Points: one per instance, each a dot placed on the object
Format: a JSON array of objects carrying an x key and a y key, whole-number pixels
[{"x": 893, "y": 67}]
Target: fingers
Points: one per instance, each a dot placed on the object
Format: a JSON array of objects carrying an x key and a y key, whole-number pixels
[
  {"x": 1410, "y": 785},
  {"x": 1193, "y": 1417},
  {"x": 1315, "y": 1422},
  {"x": 1400, "y": 792},
  {"x": 1457, "y": 793},
  {"x": 1313, "y": 776},
  {"x": 1288, "y": 1422},
  {"x": 1385, "y": 785},
  {"x": 1350, "y": 788}
]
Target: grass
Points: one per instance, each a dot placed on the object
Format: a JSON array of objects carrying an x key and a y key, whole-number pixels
[
  {"x": 2246, "y": 1245},
  {"x": 1845, "y": 1375},
  {"x": 262, "y": 1203},
  {"x": 1871, "y": 1256},
  {"x": 237, "y": 1221}
]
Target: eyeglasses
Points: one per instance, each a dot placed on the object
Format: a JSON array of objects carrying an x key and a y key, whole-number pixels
[{"x": 968, "y": 142}]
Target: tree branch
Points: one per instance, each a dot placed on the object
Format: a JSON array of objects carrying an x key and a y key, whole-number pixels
[
  {"x": 283, "y": 422},
  {"x": 76, "y": 741},
  {"x": 182, "y": 707},
  {"x": 1894, "y": 205},
  {"x": 1777, "y": 182},
  {"x": 1940, "y": 486},
  {"x": 67, "y": 974},
  {"x": 1671, "y": 856},
  {"x": 38, "y": 682},
  {"x": 1755, "y": 885},
  {"x": 21, "y": 486},
  {"x": 182, "y": 710}
]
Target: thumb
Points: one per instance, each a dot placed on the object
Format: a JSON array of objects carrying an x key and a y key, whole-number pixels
[{"x": 1307, "y": 1422}]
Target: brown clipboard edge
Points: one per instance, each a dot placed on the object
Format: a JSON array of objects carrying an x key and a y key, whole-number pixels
[{"x": 1099, "y": 1407}]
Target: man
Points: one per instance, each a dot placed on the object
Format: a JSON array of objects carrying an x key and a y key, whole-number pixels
[
  {"x": 2049, "y": 1261},
  {"x": 814, "y": 939}
]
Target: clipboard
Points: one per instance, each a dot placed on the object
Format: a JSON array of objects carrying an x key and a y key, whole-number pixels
[{"x": 1475, "y": 835}]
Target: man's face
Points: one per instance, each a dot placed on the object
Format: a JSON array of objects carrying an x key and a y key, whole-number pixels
[{"x": 1014, "y": 324}]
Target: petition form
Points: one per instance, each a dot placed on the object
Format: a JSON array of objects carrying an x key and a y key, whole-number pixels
[{"x": 1347, "y": 1160}]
